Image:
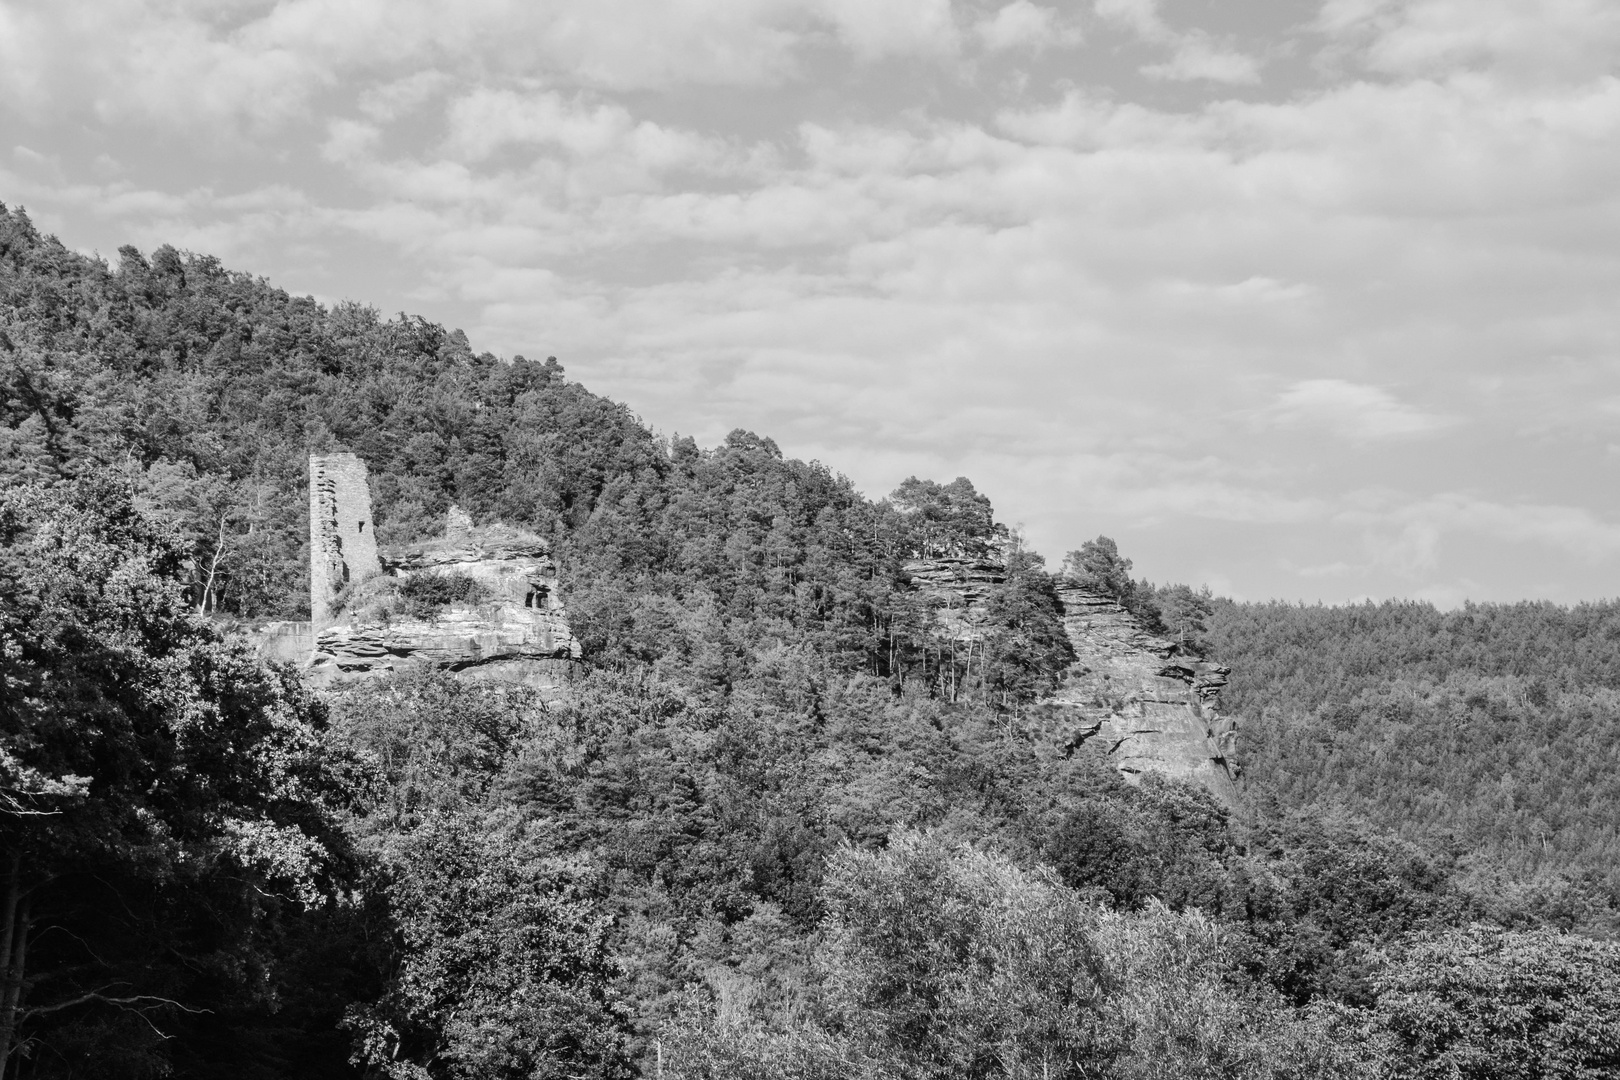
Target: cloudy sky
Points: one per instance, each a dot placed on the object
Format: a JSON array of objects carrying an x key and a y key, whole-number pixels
[{"x": 1299, "y": 299}]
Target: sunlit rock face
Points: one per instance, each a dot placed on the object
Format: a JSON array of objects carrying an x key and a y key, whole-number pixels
[
  {"x": 1152, "y": 707},
  {"x": 342, "y": 532},
  {"x": 961, "y": 587},
  {"x": 481, "y": 602}
]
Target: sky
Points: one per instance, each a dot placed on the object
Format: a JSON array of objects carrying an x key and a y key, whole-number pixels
[{"x": 1297, "y": 299}]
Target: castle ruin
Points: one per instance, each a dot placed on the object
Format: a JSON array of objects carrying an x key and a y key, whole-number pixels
[
  {"x": 342, "y": 535},
  {"x": 498, "y": 613}
]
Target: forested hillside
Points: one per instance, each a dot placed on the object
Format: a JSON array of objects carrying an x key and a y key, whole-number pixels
[
  {"x": 775, "y": 828},
  {"x": 1491, "y": 732}
]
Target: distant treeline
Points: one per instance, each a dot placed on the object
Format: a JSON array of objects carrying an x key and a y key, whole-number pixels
[{"x": 1491, "y": 732}]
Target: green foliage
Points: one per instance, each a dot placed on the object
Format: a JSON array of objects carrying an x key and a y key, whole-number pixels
[
  {"x": 1481, "y": 1003},
  {"x": 1154, "y": 841},
  {"x": 1185, "y": 613},
  {"x": 1098, "y": 565},
  {"x": 794, "y": 821},
  {"x": 955, "y": 963},
  {"x": 504, "y": 969},
  {"x": 215, "y": 386},
  {"x": 1027, "y": 648},
  {"x": 426, "y": 594},
  {"x": 1180, "y": 1009},
  {"x": 946, "y": 519},
  {"x": 430, "y": 744},
  {"x": 1322, "y": 898},
  {"x": 699, "y": 1047},
  {"x": 168, "y": 805},
  {"x": 943, "y": 960},
  {"x": 1492, "y": 732}
]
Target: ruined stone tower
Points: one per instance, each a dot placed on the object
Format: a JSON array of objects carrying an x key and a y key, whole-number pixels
[{"x": 342, "y": 542}]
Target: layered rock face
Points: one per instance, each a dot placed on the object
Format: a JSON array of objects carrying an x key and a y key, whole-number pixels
[
  {"x": 482, "y": 602},
  {"x": 1153, "y": 707},
  {"x": 962, "y": 586}
]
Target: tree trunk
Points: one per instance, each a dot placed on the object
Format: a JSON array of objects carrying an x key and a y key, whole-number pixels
[
  {"x": 208, "y": 587},
  {"x": 13, "y": 953}
]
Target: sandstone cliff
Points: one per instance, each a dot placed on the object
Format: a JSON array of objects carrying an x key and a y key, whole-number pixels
[
  {"x": 1152, "y": 707},
  {"x": 961, "y": 585},
  {"x": 484, "y": 602}
]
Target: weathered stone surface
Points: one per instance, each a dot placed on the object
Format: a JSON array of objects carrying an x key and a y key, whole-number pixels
[
  {"x": 1154, "y": 708},
  {"x": 342, "y": 537},
  {"x": 515, "y": 630},
  {"x": 496, "y": 612},
  {"x": 457, "y": 524},
  {"x": 291, "y": 642},
  {"x": 960, "y": 586}
]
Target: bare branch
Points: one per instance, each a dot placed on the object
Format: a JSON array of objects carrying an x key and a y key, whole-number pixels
[{"x": 132, "y": 1003}]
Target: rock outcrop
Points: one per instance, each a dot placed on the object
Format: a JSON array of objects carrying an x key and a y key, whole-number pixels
[
  {"x": 482, "y": 602},
  {"x": 961, "y": 586},
  {"x": 1152, "y": 706}
]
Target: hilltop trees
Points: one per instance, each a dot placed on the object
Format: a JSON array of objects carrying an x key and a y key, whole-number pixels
[
  {"x": 946, "y": 519},
  {"x": 1098, "y": 565},
  {"x": 1026, "y": 648},
  {"x": 214, "y": 386},
  {"x": 1184, "y": 613}
]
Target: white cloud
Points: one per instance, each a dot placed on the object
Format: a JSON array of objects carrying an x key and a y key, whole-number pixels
[
  {"x": 1560, "y": 38},
  {"x": 1181, "y": 326},
  {"x": 895, "y": 27},
  {"x": 349, "y": 140},
  {"x": 1572, "y": 529},
  {"x": 1196, "y": 58},
  {"x": 1338, "y": 568},
  {"x": 1411, "y": 538},
  {"x": 1351, "y": 411},
  {"x": 179, "y": 64},
  {"x": 387, "y": 102},
  {"x": 1142, "y": 16},
  {"x": 485, "y": 120},
  {"x": 1022, "y": 24},
  {"x": 1195, "y": 55}
]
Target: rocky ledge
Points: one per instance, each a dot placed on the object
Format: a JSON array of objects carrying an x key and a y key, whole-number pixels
[
  {"x": 1153, "y": 706},
  {"x": 483, "y": 602},
  {"x": 961, "y": 586}
]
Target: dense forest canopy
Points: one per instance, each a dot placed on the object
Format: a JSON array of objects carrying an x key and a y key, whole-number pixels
[
  {"x": 776, "y": 827},
  {"x": 1491, "y": 732}
]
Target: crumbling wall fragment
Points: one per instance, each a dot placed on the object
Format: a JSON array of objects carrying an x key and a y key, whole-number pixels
[{"x": 342, "y": 534}]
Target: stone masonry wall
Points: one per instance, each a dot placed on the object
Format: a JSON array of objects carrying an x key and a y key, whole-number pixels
[{"x": 342, "y": 535}]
